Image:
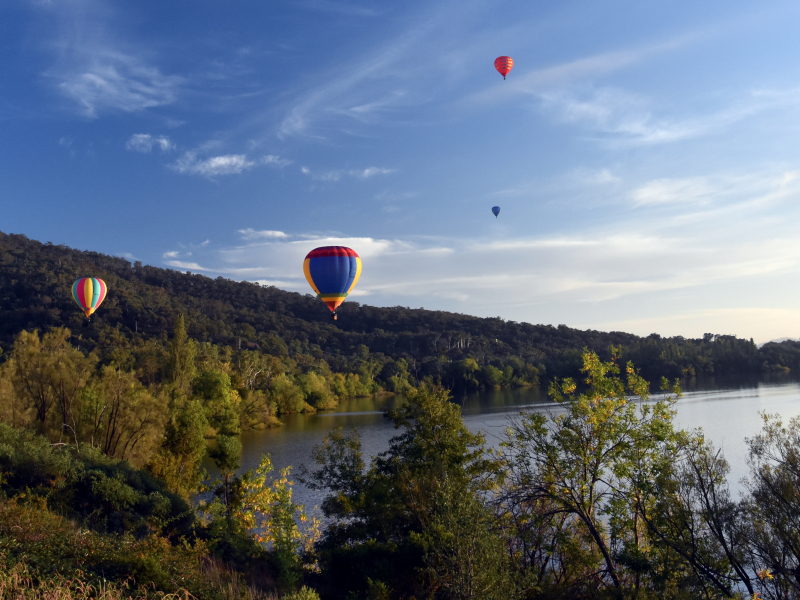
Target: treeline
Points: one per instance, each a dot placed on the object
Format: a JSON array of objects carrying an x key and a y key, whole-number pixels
[
  {"x": 603, "y": 498},
  {"x": 460, "y": 351}
]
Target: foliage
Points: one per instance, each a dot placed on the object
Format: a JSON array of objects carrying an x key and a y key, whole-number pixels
[
  {"x": 392, "y": 517},
  {"x": 37, "y": 548},
  {"x": 101, "y": 492},
  {"x": 773, "y": 508}
]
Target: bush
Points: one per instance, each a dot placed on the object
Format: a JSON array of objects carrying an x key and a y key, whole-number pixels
[{"x": 105, "y": 494}]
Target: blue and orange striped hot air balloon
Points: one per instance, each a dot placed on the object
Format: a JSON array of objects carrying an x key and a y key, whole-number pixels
[
  {"x": 89, "y": 292},
  {"x": 332, "y": 272}
]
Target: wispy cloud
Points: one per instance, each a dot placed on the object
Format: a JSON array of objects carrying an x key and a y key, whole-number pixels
[
  {"x": 352, "y": 9},
  {"x": 229, "y": 164},
  {"x": 267, "y": 234},
  {"x": 144, "y": 142},
  {"x": 117, "y": 82},
  {"x": 619, "y": 116},
  {"x": 380, "y": 82},
  {"x": 336, "y": 175},
  {"x": 98, "y": 69},
  {"x": 185, "y": 266},
  {"x": 275, "y": 161}
]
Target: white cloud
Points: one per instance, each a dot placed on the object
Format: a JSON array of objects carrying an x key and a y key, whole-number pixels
[
  {"x": 229, "y": 164},
  {"x": 111, "y": 80},
  {"x": 185, "y": 266},
  {"x": 275, "y": 161},
  {"x": 267, "y": 234},
  {"x": 345, "y": 8},
  {"x": 144, "y": 142},
  {"x": 666, "y": 191},
  {"x": 171, "y": 254},
  {"x": 97, "y": 66},
  {"x": 396, "y": 75},
  {"x": 620, "y": 116},
  {"x": 371, "y": 171},
  {"x": 336, "y": 175}
]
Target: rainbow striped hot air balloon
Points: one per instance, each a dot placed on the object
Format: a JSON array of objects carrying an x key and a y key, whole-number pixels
[
  {"x": 332, "y": 272},
  {"x": 89, "y": 292}
]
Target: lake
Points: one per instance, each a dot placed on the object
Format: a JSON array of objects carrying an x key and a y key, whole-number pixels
[{"x": 727, "y": 416}]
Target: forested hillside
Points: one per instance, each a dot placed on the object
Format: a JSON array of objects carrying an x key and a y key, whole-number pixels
[
  {"x": 145, "y": 301},
  {"x": 105, "y": 426}
]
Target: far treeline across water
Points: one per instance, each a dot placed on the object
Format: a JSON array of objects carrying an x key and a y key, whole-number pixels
[{"x": 273, "y": 338}]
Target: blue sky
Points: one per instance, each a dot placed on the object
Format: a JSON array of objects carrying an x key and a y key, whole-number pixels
[{"x": 645, "y": 154}]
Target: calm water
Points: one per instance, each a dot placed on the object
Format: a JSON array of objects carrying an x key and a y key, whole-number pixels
[{"x": 727, "y": 417}]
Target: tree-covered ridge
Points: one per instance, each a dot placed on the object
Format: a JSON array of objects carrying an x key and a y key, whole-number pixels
[{"x": 459, "y": 350}]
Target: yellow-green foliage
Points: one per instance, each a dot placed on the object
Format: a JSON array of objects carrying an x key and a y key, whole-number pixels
[{"x": 41, "y": 551}]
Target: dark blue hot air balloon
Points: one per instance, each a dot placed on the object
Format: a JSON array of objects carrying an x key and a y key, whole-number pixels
[{"x": 496, "y": 211}]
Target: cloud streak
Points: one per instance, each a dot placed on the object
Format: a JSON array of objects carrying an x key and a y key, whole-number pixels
[
  {"x": 336, "y": 175},
  {"x": 226, "y": 164},
  {"x": 144, "y": 143}
]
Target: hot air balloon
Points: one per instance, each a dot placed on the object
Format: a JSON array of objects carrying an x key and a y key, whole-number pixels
[
  {"x": 332, "y": 272},
  {"x": 89, "y": 292},
  {"x": 503, "y": 64},
  {"x": 496, "y": 211}
]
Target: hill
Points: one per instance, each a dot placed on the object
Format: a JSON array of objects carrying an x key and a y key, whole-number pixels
[{"x": 144, "y": 303}]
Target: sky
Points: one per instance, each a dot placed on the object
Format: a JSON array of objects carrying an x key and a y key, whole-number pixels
[{"x": 645, "y": 155}]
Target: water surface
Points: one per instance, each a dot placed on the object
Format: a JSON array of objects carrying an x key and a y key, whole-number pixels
[{"x": 726, "y": 416}]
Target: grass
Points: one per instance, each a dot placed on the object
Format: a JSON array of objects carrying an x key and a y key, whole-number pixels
[{"x": 43, "y": 555}]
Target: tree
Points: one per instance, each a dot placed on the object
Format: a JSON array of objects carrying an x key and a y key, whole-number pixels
[
  {"x": 688, "y": 509},
  {"x": 180, "y": 365},
  {"x": 388, "y": 515},
  {"x": 178, "y": 461},
  {"x": 126, "y": 418},
  {"x": 68, "y": 372},
  {"x": 773, "y": 507},
  {"x": 31, "y": 380},
  {"x": 587, "y": 463}
]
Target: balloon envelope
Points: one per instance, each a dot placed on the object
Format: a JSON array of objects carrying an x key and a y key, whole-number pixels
[
  {"x": 503, "y": 64},
  {"x": 332, "y": 272},
  {"x": 496, "y": 210},
  {"x": 89, "y": 292}
]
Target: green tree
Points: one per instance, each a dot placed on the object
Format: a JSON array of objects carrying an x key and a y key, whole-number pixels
[
  {"x": 180, "y": 364},
  {"x": 178, "y": 461},
  {"x": 30, "y": 375},
  {"x": 589, "y": 461},
  {"x": 383, "y": 530},
  {"x": 125, "y": 420},
  {"x": 773, "y": 507}
]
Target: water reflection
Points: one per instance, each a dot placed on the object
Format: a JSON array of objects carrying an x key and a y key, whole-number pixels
[{"x": 726, "y": 416}]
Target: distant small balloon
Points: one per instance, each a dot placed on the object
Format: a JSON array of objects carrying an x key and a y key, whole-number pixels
[
  {"x": 496, "y": 211},
  {"x": 89, "y": 292},
  {"x": 504, "y": 64}
]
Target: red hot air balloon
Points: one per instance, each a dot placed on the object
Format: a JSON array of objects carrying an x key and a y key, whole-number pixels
[
  {"x": 89, "y": 292},
  {"x": 503, "y": 64}
]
